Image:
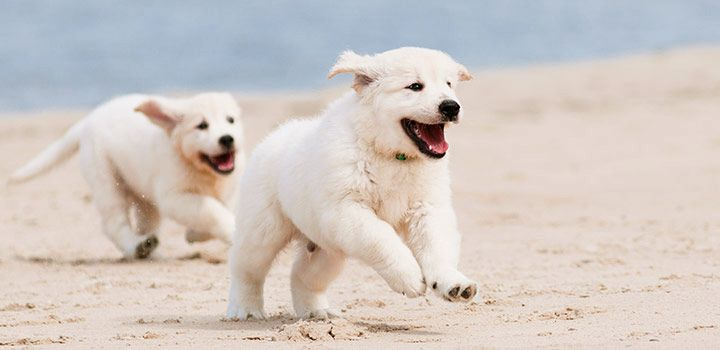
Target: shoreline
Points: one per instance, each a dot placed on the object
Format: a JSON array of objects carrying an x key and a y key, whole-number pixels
[{"x": 336, "y": 89}]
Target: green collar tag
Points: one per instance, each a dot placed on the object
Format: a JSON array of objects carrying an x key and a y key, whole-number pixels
[{"x": 400, "y": 156}]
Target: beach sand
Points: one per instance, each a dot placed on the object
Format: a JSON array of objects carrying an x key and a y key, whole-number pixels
[{"x": 587, "y": 195}]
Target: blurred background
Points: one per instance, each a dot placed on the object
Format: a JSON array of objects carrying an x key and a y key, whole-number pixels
[{"x": 75, "y": 54}]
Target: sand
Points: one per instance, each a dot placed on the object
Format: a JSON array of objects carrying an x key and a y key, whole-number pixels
[{"x": 587, "y": 194}]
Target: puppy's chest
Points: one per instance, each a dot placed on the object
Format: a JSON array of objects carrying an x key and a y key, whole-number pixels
[
  {"x": 210, "y": 186},
  {"x": 391, "y": 191}
]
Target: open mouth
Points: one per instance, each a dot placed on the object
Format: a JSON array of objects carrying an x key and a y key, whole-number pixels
[
  {"x": 222, "y": 164},
  {"x": 429, "y": 138}
]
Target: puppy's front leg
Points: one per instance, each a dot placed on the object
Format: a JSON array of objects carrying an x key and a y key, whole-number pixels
[
  {"x": 434, "y": 239},
  {"x": 359, "y": 233},
  {"x": 199, "y": 213}
]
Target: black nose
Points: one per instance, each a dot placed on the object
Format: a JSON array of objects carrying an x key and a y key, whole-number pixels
[
  {"x": 227, "y": 141},
  {"x": 449, "y": 110}
]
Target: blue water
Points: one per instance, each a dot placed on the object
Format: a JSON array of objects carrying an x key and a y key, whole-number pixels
[{"x": 60, "y": 54}]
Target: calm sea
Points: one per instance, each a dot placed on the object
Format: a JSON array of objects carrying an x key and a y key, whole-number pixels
[{"x": 76, "y": 53}]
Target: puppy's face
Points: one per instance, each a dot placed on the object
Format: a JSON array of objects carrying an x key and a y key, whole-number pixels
[
  {"x": 411, "y": 94},
  {"x": 205, "y": 129}
]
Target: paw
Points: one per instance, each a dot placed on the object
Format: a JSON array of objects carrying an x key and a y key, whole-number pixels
[
  {"x": 239, "y": 312},
  {"x": 192, "y": 236},
  {"x": 146, "y": 247},
  {"x": 405, "y": 277},
  {"x": 453, "y": 286},
  {"x": 225, "y": 228},
  {"x": 319, "y": 314}
]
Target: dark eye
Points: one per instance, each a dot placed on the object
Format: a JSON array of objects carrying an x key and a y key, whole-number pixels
[
  {"x": 230, "y": 119},
  {"x": 203, "y": 125},
  {"x": 449, "y": 85},
  {"x": 415, "y": 87}
]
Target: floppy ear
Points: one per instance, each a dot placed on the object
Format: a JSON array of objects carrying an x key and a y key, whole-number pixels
[
  {"x": 463, "y": 73},
  {"x": 361, "y": 66},
  {"x": 159, "y": 114}
]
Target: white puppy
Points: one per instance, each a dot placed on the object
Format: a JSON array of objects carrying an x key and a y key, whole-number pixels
[
  {"x": 155, "y": 156},
  {"x": 367, "y": 180}
]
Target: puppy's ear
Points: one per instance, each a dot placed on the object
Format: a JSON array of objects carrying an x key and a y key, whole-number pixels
[
  {"x": 463, "y": 73},
  {"x": 159, "y": 114},
  {"x": 361, "y": 66}
]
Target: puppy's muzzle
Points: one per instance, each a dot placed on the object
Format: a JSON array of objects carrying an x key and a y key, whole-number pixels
[{"x": 449, "y": 110}]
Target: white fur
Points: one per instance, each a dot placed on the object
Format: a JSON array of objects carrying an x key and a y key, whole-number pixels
[
  {"x": 143, "y": 153},
  {"x": 334, "y": 182}
]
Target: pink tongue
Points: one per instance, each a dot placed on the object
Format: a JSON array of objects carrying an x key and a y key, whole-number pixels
[
  {"x": 434, "y": 136},
  {"x": 225, "y": 162}
]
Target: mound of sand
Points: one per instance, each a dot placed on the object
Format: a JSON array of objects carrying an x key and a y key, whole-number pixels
[{"x": 335, "y": 329}]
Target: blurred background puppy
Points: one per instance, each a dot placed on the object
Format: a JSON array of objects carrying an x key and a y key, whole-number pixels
[{"x": 145, "y": 157}]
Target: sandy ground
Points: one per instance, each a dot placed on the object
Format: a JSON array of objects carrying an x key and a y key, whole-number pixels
[{"x": 587, "y": 195}]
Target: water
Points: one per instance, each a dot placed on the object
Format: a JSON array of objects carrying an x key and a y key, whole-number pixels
[{"x": 65, "y": 54}]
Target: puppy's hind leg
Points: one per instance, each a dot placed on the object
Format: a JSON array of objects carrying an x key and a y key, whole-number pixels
[
  {"x": 262, "y": 232},
  {"x": 113, "y": 202},
  {"x": 146, "y": 225},
  {"x": 312, "y": 273},
  {"x": 147, "y": 216},
  {"x": 114, "y": 208}
]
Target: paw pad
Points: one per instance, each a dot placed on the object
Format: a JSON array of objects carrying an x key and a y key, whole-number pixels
[
  {"x": 460, "y": 292},
  {"x": 144, "y": 248},
  {"x": 467, "y": 293}
]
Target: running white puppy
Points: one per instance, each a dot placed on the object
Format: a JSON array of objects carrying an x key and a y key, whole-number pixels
[
  {"x": 367, "y": 179},
  {"x": 181, "y": 169}
]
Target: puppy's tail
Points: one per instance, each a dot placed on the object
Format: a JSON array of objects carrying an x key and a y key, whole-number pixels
[{"x": 56, "y": 153}]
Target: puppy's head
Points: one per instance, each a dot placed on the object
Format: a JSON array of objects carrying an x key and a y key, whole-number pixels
[
  {"x": 205, "y": 129},
  {"x": 411, "y": 96}
]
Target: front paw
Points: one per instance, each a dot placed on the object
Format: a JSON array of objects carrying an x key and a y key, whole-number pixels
[
  {"x": 192, "y": 236},
  {"x": 225, "y": 228},
  {"x": 453, "y": 286},
  {"x": 405, "y": 277},
  {"x": 240, "y": 312},
  {"x": 319, "y": 314}
]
